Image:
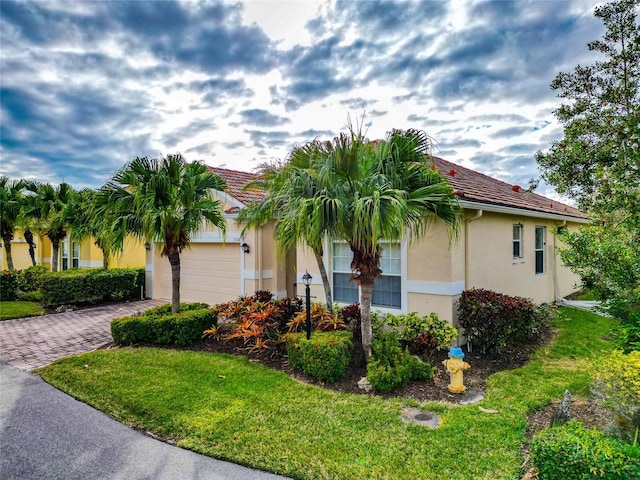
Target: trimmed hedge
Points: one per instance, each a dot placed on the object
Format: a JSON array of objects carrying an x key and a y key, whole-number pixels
[
  {"x": 90, "y": 286},
  {"x": 8, "y": 285},
  {"x": 178, "y": 330},
  {"x": 571, "y": 452},
  {"x": 325, "y": 356},
  {"x": 163, "y": 310},
  {"x": 495, "y": 321},
  {"x": 29, "y": 278}
]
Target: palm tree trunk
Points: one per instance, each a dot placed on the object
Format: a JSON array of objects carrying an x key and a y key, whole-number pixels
[
  {"x": 174, "y": 260},
  {"x": 55, "y": 251},
  {"x": 105, "y": 255},
  {"x": 28, "y": 236},
  {"x": 7, "y": 248},
  {"x": 366, "y": 294},
  {"x": 325, "y": 280}
]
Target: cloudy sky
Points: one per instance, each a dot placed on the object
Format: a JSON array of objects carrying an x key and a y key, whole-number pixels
[{"x": 87, "y": 86}]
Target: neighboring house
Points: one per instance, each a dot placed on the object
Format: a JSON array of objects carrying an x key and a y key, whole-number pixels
[
  {"x": 73, "y": 254},
  {"x": 506, "y": 243}
]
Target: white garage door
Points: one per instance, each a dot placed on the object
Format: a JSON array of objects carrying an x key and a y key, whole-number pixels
[{"x": 210, "y": 272}]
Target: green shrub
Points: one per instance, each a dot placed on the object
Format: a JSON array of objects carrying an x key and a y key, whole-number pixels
[
  {"x": 8, "y": 285},
  {"x": 324, "y": 356},
  {"x": 421, "y": 334},
  {"x": 35, "y": 296},
  {"x": 162, "y": 310},
  {"x": 179, "y": 330},
  {"x": 495, "y": 321},
  {"x": 90, "y": 286},
  {"x": 29, "y": 278},
  {"x": 626, "y": 307},
  {"x": 617, "y": 383},
  {"x": 571, "y": 452},
  {"x": 392, "y": 367}
]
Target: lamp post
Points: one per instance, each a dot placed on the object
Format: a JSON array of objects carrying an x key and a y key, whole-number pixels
[{"x": 306, "y": 279}]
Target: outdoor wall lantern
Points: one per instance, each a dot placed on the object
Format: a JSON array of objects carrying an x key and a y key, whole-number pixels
[
  {"x": 306, "y": 279},
  {"x": 245, "y": 247},
  {"x": 147, "y": 246}
]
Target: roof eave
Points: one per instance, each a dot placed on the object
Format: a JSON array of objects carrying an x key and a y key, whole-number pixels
[{"x": 488, "y": 207}]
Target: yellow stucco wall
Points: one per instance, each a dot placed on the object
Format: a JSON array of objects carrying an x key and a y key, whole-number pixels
[
  {"x": 493, "y": 267},
  {"x": 133, "y": 255},
  {"x": 20, "y": 252},
  {"x": 436, "y": 271}
]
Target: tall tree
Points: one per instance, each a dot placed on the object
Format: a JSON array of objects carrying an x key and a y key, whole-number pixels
[
  {"x": 163, "y": 201},
  {"x": 291, "y": 190},
  {"x": 10, "y": 206},
  {"x": 51, "y": 210},
  {"x": 385, "y": 190},
  {"x": 87, "y": 223},
  {"x": 29, "y": 218},
  {"x": 370, "y": 192},
  {"x": 597, "y": 162}
]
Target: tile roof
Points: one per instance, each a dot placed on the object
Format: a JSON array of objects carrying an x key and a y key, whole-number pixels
[
  {"x": 468, "y": 184},
  {"x": 473, "y": 186},
  {"x": 236, "y": 180}
]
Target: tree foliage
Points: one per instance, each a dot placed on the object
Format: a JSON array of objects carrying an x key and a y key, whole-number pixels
[
  {"x": 597, "y": 162},
  {"x": 11, "y": 199},
  {"x": 162, "y": 201},
  {"x": 50, "y": 210}
]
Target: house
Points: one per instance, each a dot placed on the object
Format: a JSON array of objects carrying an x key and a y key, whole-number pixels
[
  {"x": 216, "y": 268},
  {"x": 507, "y": 243},
  {"x": 72, "y": 254}
]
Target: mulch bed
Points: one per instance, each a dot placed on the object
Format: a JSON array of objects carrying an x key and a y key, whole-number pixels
[{"x": 482, "y": 366}]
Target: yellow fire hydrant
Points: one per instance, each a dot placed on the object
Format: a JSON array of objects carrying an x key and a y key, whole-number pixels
[{"x": 455, "y": 366}]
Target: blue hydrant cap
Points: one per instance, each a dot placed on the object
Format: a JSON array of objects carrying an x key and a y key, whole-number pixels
[{"x": 456, "y": 352}]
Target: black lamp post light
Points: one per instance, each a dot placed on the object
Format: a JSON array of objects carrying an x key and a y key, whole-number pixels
[{"x": 306, "y": 279}]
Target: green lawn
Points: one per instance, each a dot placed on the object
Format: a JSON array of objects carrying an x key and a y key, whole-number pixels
[
  {"x": 228, "y": 408},
  {"x": 19, "y": 309}
]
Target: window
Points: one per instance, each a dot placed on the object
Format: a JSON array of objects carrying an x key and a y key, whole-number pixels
[
  {"x": 64, "y": 255},
  {"x": 517, "y": 241},
  {"x": 540, "y": 241},
  {"x": 387, "y": 290},
  {"x": 75, "y": 255}
]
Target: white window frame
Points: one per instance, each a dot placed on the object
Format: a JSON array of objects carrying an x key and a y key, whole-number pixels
[
  {"x": 400, "y": 293},
  {"x": 539, "y": 250},
  {"x": 64, "y": 254},
  {"x": 517, "y": 227},
  {"x": 75, "y": 254}
]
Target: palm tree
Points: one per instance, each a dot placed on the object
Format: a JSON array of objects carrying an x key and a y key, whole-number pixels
[
  {"x": 292, "y": 191},
  {"x": 374, "y": 191},
  {"x": 51, "y": 209},
  {"x": 10, "y": 205},
  {"x": 87, "y": 223},
  {"x": 164, "y": 201}
]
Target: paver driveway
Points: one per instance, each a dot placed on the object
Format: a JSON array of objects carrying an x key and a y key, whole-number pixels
[{"x": 30, "y": 343}]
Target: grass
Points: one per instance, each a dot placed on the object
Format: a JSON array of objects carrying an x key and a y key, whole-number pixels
[
  {"x": 229, "y": 408},
  {"x": 19, "y": 309}
]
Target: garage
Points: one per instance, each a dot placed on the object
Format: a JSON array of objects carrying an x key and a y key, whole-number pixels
[{"x": 210, "y": 272}]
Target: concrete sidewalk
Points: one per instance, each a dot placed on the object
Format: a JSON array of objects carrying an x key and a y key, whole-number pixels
[{"x": 46, "y": 434}]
